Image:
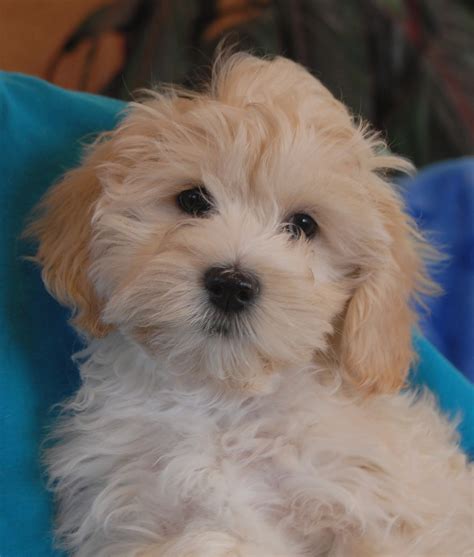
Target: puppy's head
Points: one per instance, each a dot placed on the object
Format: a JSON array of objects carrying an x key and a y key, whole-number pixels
[{"x": 239, "y": 231}]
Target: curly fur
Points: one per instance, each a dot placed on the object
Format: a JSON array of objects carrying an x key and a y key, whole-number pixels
[{"x": 290, "y": 436}]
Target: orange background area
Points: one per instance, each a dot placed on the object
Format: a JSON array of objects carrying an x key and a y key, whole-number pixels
[{"x": 33, "y": 31}]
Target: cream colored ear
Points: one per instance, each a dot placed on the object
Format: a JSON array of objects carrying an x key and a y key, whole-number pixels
[
  {"x": 376, "y": 346},
  {"x": 62, "y": 228}
]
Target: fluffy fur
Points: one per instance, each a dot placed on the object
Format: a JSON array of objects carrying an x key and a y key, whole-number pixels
[{"x": 289, "y": 436}]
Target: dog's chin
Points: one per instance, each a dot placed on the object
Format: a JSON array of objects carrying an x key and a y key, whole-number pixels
[
  {"x": 235, "y": 350},
  {"x": 218, "y": 330},
  {"x": 224, "y": 327}
]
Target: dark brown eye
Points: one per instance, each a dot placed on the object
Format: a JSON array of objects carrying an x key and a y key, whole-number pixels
[
  {"x": 301, "y": 223},
  {"x": 195, "y": 201}
]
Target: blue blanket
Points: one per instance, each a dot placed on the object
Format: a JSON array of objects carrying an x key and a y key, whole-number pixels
[
  {"x": 441, "y": 199},
  {"x": 42, "y": 129}
]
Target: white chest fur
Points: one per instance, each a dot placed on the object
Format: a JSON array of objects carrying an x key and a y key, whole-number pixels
[{"x": 143, "y": 454}]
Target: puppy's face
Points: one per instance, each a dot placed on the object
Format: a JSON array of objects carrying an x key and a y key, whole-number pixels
[{"x": 239, "y": 232}]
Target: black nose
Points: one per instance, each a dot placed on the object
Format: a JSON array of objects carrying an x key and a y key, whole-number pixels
[{"x": 230, "y": 289}]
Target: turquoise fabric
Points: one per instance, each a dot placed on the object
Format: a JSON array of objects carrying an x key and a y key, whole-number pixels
[
  {"x": 454, "y": 392},
  {"x": 42, "y": 129}
]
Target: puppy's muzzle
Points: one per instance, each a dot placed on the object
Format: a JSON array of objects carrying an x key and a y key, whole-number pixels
[{"x": 230, "y": 289}]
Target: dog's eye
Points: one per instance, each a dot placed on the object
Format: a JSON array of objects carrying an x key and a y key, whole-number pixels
[
  {"x": 195, "y": 201},
  {"x": 301, "y": 223}
]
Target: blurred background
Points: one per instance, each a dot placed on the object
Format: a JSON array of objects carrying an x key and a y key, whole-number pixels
[{"x": 406, "y": 65}]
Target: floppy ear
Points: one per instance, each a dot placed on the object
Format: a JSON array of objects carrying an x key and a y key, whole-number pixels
[
  {"x": 376, "y": 346},
  {"x": 62, "y": 228}
]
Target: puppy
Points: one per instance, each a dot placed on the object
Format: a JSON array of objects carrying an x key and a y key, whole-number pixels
[{"x": 244, "y": 276}]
